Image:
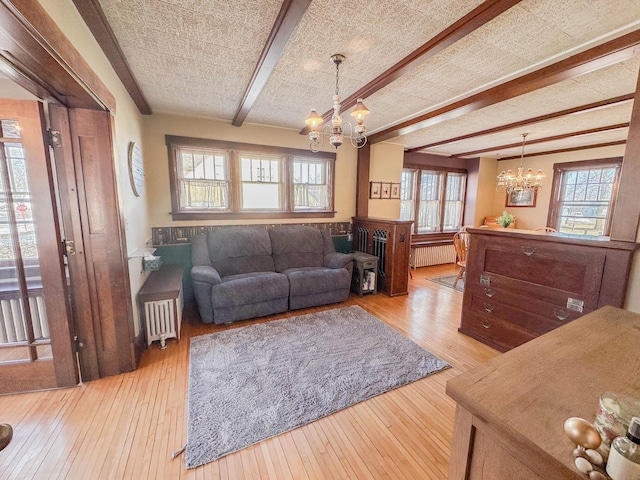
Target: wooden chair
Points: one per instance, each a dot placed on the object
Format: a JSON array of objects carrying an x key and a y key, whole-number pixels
[
  {"x": 544, "y": 229},
  {"x": 461, "y": 244}
]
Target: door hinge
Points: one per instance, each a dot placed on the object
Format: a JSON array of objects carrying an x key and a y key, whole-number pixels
[
  {"x": 55, "y": 138},
  {"x": 79, "y": 343},
  {"x": 69, "y": 247}
]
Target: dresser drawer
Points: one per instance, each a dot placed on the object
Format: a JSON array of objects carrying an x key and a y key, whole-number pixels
[
  {"x": 539, "y": 269},
  {"x": 534, "y": 315},
  {"x": 493, "y": 331}
]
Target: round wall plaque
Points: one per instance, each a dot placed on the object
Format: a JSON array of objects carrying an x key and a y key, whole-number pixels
[{"x": 136, "y": 169}]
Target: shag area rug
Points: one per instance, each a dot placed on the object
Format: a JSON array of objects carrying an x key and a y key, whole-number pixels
[
  {"x": 447, "y": 281},
  {"x": 252, "y": 383}
]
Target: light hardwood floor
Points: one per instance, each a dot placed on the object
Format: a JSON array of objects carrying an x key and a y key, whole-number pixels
[{"x": 126, "y": 426}]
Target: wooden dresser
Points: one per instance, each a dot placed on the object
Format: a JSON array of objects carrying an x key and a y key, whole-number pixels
[
  {"x": 521, "y": 284},
  {"x": 390, "y": 241},
  {"x": 511, "y": 410}
]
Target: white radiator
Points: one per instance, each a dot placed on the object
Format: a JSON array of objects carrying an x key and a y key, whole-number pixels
[
  {"x": 433, "y": 255},
  {"x": 13, "y": 324},
  {"x": 163, "y": 319}
]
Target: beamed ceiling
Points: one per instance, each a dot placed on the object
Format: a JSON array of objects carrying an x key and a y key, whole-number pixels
[{"x": 460, "y": 78}]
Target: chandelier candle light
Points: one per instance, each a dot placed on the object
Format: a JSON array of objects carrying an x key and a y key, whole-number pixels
[
  {"x": 335, "y": 130},
  {"x": 522, "y": 181}
]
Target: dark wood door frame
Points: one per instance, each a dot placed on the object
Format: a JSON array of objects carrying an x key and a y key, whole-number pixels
[{"x": 36, "y": 54}]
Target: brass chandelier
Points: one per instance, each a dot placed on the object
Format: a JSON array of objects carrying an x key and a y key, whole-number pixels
[
  {"x": 521, "y": 181},
  {"x": 338, "y": 128}
]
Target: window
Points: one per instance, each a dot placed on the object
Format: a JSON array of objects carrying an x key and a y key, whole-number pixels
[
  {"x": 311, "y": 186},
  {"x": 439, "y": 200},
  {"x": 583, "y": 196},
  {"x": 213, "y": 179},
  {"x": 203, "y": 179},
  {"x": 407, "y": 194},
  {"x": 261, "y": 182}
]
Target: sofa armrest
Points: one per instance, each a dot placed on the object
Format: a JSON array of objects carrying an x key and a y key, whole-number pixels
[
  {"x": 337, "y": 260},
  {"x": 203, "y": 273}
]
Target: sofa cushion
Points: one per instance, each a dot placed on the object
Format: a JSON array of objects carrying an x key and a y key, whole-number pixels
[
  {"x": 296, "y": 246},
  {"x": 308, "y": 280},
  {"x": 248, "y": 288},
  {"x": 238, "y": 250}
]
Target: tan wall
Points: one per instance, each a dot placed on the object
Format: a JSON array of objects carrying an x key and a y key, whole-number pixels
[
  {"x": 128, "y": 128},
  {"x": 528, "y": 217},
  {"x": 157, "y": 163},
  {"x": 486, "y": 190},
  {"x": 386, "y": 167}
]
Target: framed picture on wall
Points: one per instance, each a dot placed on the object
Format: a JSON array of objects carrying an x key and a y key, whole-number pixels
[
  {"x": 525, "y": 198},
  {"x": 395, "y": 190},
  {"x": 374, "y": 189},
  {"x": 386, "y": 190}
]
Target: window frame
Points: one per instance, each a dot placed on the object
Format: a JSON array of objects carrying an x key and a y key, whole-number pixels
[
  {"x": 234, "y": 151},
  {"x": 560, "y": 169},
  {"x": 440, "y": 234}
]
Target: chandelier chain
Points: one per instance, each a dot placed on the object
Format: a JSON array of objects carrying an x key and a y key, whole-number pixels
[{"x": 337, "y": 75}]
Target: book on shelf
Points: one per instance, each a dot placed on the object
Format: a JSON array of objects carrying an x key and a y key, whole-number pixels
[{"x": 369, "y": 281}]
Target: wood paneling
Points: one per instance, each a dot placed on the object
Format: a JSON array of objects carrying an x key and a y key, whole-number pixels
[
  {"x": 51, "y": 68},
  {"x": 107, "y": 268},
  {"x": 626, "y": 217},
  {"x": 94, "y": 17},
  {"x": 362, "y": 181},
  {"x": 545, "y": 139},
  {"x": 473, "y": 20},
  {"x": 390, "y": 241},
  {"x": 610, "y": 53},
  {"x": 126, "y": 426},
  {"x": 288, "y": 18},
  {"x": 70, "y": 213},
  {"x": 519, "y": 284},
  {"x": 529, "y": 121}
]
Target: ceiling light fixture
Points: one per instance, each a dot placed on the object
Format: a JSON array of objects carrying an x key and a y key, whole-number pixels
[
  {"x": 335, "y": 130},
  {"x": 522, "y": 181}
]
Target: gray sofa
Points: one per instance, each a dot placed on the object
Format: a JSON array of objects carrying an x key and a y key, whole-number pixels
[{"x": 246, "y": 272}]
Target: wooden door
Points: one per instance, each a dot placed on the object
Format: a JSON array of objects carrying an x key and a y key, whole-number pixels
[
  {"x": 108, "y": 329},
  {"x": 36, "y": 345}
]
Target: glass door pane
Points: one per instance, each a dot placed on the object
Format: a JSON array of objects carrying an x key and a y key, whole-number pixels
[{"x": 24, "y": 329}]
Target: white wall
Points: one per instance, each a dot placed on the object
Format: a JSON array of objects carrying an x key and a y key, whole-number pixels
[
  {"x": 128, "y": 128},
  {"x": 157, "y": 163}
]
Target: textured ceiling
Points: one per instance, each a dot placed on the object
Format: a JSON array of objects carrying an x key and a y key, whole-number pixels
[{"x": 196, "y": 57}]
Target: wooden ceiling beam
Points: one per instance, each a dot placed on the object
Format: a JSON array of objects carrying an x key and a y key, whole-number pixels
[
  {"x": 529, "y": 121},
  {"x": 601, "y": 56},
  {"x": 93, "y": 15},
  {"x": 288, "y": 18},
  {"x": 569, "y": 149},
  {"x": 473, "y": 20},
  {"x": 590, "y": 131}
]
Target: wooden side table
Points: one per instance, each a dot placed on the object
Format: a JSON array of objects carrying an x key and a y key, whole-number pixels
[
  {"x": 162, "y": 302},
  {"x": 365, "y": 273}
]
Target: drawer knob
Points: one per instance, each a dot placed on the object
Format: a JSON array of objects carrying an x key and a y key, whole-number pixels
[
  {"x": 528, "y": 251},
  {"x": 561, "y": 315},
  {"x": 486, "y": 324},
  {"x": 488, "y": 307},
  {"x": 489, "y": 292}
]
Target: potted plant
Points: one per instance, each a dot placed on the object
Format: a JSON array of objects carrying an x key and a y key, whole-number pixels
[{"x": 505, "y": 219}]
